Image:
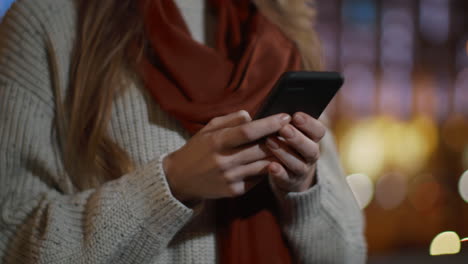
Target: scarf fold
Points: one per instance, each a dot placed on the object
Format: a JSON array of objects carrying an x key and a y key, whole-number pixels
[{"x": 195, "y": 83}]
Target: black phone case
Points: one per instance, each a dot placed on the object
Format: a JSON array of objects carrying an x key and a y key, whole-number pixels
[{"x": 301, "y": 91}]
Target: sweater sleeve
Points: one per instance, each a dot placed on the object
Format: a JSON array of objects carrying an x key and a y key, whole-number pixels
[
  {"x": 128, "y": 220},
  {"x": 324, "y": 224}
]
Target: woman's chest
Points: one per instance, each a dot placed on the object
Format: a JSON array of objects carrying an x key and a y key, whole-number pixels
[{"x": 142, "y": 128}]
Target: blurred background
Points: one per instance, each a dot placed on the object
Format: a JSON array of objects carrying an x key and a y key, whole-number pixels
[
  {"x": 401, "y": 121},
  {"x": 4, "y": 5}
]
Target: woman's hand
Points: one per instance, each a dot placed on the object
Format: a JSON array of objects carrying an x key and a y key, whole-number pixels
[
  {"x": 296, "y": 153},
  {"x": 222, "y": 159}
]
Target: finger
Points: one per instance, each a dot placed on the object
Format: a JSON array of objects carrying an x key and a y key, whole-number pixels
[
  {"x": 279, "y": 176},
  {"x": 310, "y": 126},
  {"x": 242, "y": 187},
  {"x": 248, "y": 154},
  {"x": 291, "y": 160},
  {"x": 229, "y": 120},
  {"x": 308, "y": 149},
  {"x": 244, "y": 172},
  {"x": 254, "y": 130}
]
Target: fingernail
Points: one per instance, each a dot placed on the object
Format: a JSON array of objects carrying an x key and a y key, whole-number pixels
[
  {"x": 287, "y": 132},
  {"x": 285, "y": 118},
  {"x": 299, "y": 119},
  {"x": 272, "y": 144}
]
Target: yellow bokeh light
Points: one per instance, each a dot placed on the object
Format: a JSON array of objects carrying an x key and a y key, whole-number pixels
[
  {"x": 445, "y": 243},
  {"x": 410, "y": 144},
  {"x": 374, "y": 145},
  {"x": 362, "y": 148},
  {"x": 362, "y": 188},
  {"x": 411, "y": 152},
  {"x": 428, "y": 130},
  {"x": 463, "y": 186}
]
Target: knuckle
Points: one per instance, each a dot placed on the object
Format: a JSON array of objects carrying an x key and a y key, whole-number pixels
[
  {"x": 318, "y": 131},
  {"x": 215, "y": 141},
  {"x": 275, "y": 123},
  {"x": 300, "y": 169},
  {"x": 227, "y": 177},
  {"x": 215, "y": 121},
  {"x": 321, "y": 132},
  {"x": 304, "y": 168},
  {"x": 299, "y": 140},
  {"x": 315, "y": 156},
  {"x": 314, "y": 153},
  {"x": 246, "y": 133},
  {"x": 220, "y": 162}
]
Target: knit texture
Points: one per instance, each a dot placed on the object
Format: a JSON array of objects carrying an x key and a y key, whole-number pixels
[{"x": 134, "y": 219}]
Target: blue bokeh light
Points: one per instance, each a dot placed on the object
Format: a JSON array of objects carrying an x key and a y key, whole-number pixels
[{"x": 4, "y": 5}]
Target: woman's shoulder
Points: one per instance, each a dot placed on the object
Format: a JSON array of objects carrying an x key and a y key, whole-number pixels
[{"x": 32, "y": 33}]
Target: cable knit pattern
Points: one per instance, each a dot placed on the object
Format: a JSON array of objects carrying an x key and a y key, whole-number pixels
[{"x": 134, "y": 219}]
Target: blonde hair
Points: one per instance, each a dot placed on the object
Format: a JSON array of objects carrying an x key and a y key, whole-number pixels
[{"x": 105, "y": 47}]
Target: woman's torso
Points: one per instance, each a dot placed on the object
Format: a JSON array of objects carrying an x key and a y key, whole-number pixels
[
  {"x": 137, "y": 123},
  {"x": 144, "y": 130}
]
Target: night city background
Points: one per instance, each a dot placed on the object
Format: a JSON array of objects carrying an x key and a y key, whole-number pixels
[{"x": 401, "y": 121}]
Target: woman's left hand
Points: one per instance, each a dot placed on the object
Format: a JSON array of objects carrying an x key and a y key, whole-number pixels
[{"x": 297, "y": 154}]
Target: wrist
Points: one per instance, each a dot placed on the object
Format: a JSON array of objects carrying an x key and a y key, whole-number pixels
[
  {"x": 169, "y": 173},
  {"x": 310, "y": 181}
]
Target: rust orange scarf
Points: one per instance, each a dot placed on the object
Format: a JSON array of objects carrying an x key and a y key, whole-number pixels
[{"x": 195, "y": 83}]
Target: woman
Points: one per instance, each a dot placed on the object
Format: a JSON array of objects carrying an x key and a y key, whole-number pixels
[{"x": 120, "y": 132}]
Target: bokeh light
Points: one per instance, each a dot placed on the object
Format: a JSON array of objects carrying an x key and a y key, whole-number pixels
[
  {"x": 402, "y": 116},
  {"x": 362, "y": 188},
  {"x": 363, "y": 149},
  {"x": 391, "y": 190},
  {"x": 359, "y": 77},
  {"x": 407, "y": 147},
  {"x": 413, "y": 143},
  {"x": 397, "y": 38},
  {"x": 427, "y": 129},
  {"x": 374, "y": 145},
  {"x": 4, "y": 5},
  {"x": 435, "y": 20},
  {"x": 445, "y": 243},
  {"x": 463, "y": 186},
  {"x": 461, "y": 93}
]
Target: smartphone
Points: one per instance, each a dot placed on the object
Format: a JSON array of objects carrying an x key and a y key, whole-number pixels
[{"x": 301, "y": 91}]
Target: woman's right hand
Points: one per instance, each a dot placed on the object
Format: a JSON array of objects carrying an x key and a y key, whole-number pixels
[{"x": 222, "y": 159}]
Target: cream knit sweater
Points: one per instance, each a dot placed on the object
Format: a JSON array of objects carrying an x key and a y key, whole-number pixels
[{"x": 134, "y": 219}]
